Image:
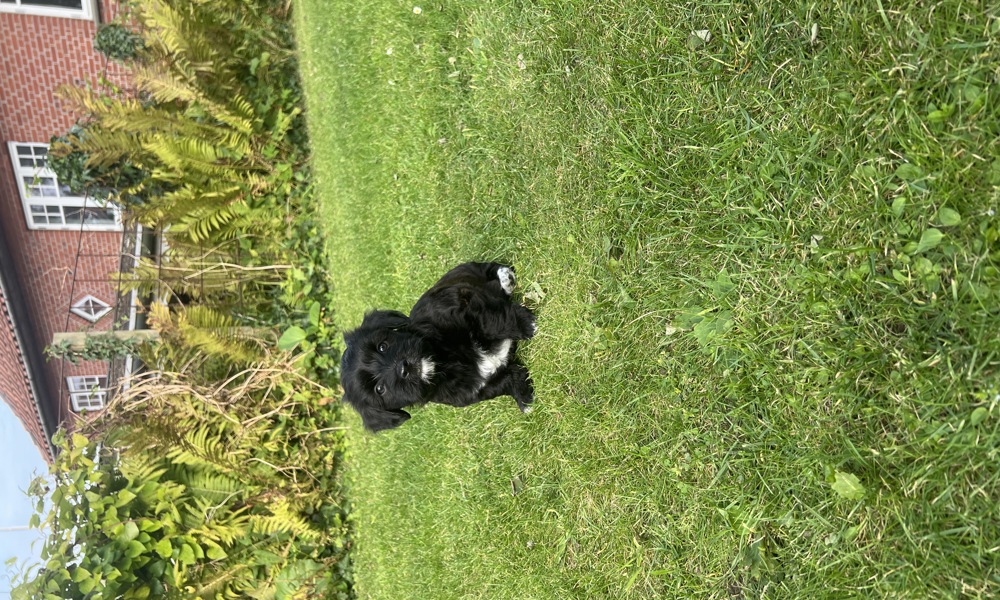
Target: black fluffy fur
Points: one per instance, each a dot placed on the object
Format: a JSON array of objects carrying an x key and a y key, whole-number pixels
[{"x": 467, "y": 314}]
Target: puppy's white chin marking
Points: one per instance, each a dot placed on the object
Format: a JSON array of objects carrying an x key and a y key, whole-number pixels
[
  {"x": 426, "y": 369},
  {"x": 507, "y": 281}
]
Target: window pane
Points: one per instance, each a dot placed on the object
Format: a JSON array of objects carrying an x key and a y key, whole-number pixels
[
  {"x": 78, "y": 4},
  {"x": 90, "y": 216}
]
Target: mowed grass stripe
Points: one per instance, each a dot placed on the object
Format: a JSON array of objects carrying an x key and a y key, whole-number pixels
[{"x": 765, "y": 265}]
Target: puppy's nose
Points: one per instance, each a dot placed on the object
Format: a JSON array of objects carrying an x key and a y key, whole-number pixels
[{"x": 404, "y": 369}]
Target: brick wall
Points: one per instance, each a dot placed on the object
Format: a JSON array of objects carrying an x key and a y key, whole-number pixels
[
  {"x": 54, "y": 268},
  {"x": 14, "y": 387}
]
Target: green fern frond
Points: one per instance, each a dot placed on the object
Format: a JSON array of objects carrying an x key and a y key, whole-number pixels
[
  {"x": 221, "y": 521},
  {"x": 162, "y": 85},
  {"x": 232, "y": 581},
  {"x": 183, "y": 154},
  {"x": 215, "y": 334},
  {"x": 201, "y": 224},
  {"x": 191, "y": 198},
  {"x": 288, "y": 523},
  {"x": 204, "y": 448},
  {"x": 214, "y": 487},
  {"x": 264, "y": 220}
]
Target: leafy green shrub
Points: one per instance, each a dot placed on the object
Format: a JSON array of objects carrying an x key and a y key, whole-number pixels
[
  {"x": 117, "y": 42},
  {"x": 198, "y": 490},
  {"x": 103, "y": 182}
]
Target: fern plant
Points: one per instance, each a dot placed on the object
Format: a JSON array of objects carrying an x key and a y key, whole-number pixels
[{"x": 191, "y": 123}]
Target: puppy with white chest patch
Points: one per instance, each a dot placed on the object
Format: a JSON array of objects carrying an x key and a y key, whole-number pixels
[{"x": 457, "y": 347}]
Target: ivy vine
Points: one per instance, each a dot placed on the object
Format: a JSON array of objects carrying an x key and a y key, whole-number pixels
[{"x": 96, "y": 347}]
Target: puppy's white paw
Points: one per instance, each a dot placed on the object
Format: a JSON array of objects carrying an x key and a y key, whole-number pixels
[{"x": 507, "y": 280}]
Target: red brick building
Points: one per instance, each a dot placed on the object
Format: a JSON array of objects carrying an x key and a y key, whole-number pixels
[{"x": 58, "y": 252}]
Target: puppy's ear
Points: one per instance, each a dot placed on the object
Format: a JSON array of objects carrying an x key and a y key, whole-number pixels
[
  {"x": 379, "y": 419},
  {"x": 384, "y": 319}
]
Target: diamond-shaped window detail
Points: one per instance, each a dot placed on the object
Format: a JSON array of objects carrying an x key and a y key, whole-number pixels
[{"x": 90, "y": 308}]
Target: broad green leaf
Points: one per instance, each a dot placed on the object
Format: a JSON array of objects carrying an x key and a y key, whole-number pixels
[
  {"x": 135, "y": 548},
  {"x": 942, "y": 114},
  {"x": 691, "y": 316},
  {"x": 949, "y": 217},
  {"x": 157, "y": 568},
  {"x": 909, "y": 172},
  {"x": 314, "y": 309},
  {"x": 852, "y": 533},
  {"x": 150, "y": 525},
  {"x": 929, "y": 240},
  {"x": 848, "y": 486},
  {"x": 923, "y": 266},
  {"x": 979, "y": 415},
  {"x": 723, "y": 284},
  {"x": 898, "y": 205},
  {"x": 713, "y": 326},
  {"x": 186, "y": 556},
  {"x": 131, "y": 531},
  {"x": 87, "y": 585},
  {"x": 292, "y": 337},
  {"x": 163, "y": 548},
  {"x": 215, "y": 552},
  {"x": 124, "y": 497}
]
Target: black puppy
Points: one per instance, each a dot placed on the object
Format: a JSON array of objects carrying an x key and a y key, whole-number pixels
[{"x": 457, "y": 347}]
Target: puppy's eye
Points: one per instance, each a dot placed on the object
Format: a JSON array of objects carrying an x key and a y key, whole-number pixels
[
  {"x": 383, "y": 347},
  {"x": 380, "y": 389}
]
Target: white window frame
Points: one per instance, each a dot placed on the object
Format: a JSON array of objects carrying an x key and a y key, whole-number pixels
[
  {"x": 88, "y": 10},
  {"x": 87, "y": 392},
  {"x": 53, "y": 205},
  {"x": 85, "y": 308}
]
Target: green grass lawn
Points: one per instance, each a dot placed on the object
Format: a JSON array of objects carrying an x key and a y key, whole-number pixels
[{"x": 766, "y": 272}]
